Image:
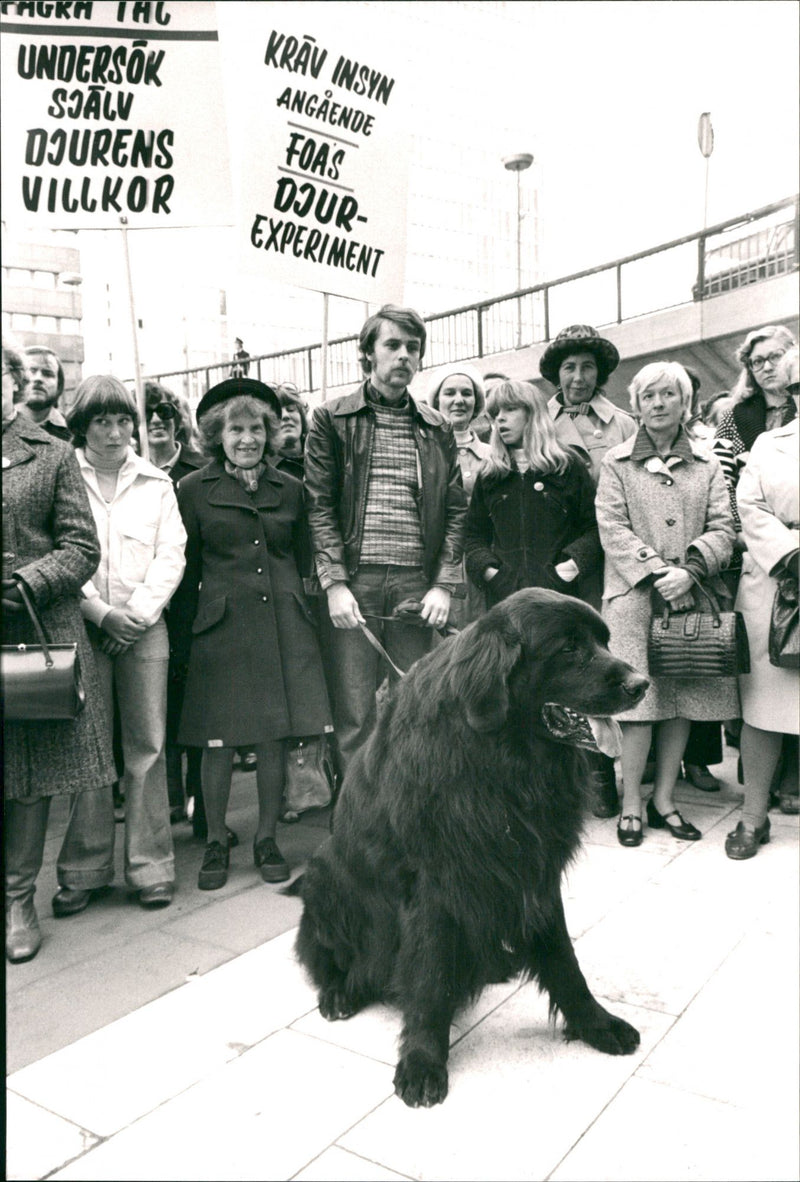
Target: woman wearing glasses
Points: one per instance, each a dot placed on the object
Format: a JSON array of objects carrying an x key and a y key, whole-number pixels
[
  {"x": 167, "y": 437},
  {"x": 761, "y": 402}
]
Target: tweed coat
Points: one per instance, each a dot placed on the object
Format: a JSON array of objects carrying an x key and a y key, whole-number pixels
[
  {"x": 769, "y": 506},
  {"x": 240, "y": 618},
  {"x": 50, "y": 542},
  {"x": 649, "y": 514}
]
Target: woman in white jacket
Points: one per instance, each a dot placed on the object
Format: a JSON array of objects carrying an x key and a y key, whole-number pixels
[
  {"x": 142, "y": 542},
  {"x": 768, "y": 496}
]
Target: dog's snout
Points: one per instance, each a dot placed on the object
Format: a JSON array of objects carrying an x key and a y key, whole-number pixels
[{"x": 635, "y": 686}]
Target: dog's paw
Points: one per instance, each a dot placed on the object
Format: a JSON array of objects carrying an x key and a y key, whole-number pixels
[
  {"x": 419, "y": 1082},
  {"x": 613, "y": 1036},
  {"x": 335, "y": 1003}
]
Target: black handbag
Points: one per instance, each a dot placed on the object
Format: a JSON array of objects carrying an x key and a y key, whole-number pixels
[
  {"x": 784, "y": 625},
  {"x": 698, "y": 644},
  {"x": 310, "y": 778},
  {"x": 40, "y": 681}
]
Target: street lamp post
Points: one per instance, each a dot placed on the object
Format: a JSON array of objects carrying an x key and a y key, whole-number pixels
[{"x": 518, "y": 163}]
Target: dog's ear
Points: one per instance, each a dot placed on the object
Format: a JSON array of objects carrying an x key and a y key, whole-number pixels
[{"x": 482, "y": 660}]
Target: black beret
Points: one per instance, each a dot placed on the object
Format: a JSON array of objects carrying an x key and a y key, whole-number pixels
[{"x": 238, "y": 388}]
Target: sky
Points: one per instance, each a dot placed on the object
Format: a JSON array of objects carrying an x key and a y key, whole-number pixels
[{"x": 607, "y": 96}]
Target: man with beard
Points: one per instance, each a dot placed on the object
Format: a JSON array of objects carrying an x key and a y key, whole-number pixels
[
  {"x": 45, "y": 389},
  {"x": 386, "y": 507}
]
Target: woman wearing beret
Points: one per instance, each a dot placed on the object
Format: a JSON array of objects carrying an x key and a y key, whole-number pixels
[
  {"x": 254, "y": 671},
  {"x": 458, "y": 394},
  {"x": 579, "y": 362},
  {"x": 664, "y": 517}
]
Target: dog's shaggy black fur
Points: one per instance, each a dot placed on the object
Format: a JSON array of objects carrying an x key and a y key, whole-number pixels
[{"x": 454, "y": 825}]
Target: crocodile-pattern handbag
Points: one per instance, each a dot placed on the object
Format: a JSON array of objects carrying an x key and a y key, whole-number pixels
[{"x": 697, "y": 644}]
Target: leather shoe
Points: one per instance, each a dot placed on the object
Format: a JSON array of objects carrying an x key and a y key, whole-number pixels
[
  {"x": 632, "y": 834},
  {"x": 67, "y": 901},
  {"x": 214, "y": 871},
  {"x": 270, "y": 861},
  {"x": 744, "y": 842},
  {"x": 23, "y": 937},
  {"x": 160, "y": 894},
  {"x": 604, "y": 799},
  {"x": 789, "y": 805},
  {"x": 684, "y": 830},
  {"x": 699, "y": 775}
]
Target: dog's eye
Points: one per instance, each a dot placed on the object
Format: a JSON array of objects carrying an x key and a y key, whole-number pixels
[{"x": 571, "y": 646}]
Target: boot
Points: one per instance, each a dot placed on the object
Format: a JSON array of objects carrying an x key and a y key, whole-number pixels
[
  {"x": 604, "y": 799},
  {"x": 23, "y": 937}
]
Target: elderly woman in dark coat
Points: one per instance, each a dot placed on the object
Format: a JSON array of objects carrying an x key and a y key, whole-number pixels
[
  {"x": 255, "y": 675},
  {"x": 664, "y": 516},
  {"x": 50, "y": 544}
]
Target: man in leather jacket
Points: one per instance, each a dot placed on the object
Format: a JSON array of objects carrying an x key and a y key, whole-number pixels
[{"x": 386, "y": 506}]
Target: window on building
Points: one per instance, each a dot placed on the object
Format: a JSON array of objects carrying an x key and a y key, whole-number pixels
[
  {"x": 46, "y": 324},
  {"x": 21, "y": 322},
  {"x": 44, "y": 279},
  {"x": 69, "y": 325}
]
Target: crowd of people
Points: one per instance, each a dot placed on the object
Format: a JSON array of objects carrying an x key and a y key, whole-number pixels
[{"x": 258, "y": 578}]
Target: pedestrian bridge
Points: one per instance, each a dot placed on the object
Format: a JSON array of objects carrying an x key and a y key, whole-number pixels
[{"x": 691, "y": 300}]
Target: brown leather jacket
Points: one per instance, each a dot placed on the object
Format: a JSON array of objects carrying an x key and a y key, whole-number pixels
[{"x": 337, "y": 461}]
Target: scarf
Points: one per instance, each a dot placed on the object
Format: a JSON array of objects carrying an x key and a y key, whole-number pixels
[{"x": 247, "y": 477}]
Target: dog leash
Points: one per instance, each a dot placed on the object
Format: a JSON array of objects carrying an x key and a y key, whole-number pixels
[{"x": 448, "y": 630}]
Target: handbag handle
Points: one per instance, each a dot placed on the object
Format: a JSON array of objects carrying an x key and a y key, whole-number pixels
[
  {"x": 36, "y": 621},
  {"x": 713, "y": 602}
]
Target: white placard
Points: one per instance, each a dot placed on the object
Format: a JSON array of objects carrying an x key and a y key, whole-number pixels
[
  {"x": 315, "y": 103},
  {"x": 113, "y": 110}
]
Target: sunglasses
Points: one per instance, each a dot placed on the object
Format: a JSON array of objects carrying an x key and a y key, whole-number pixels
[{"x": 164, "y": 410}]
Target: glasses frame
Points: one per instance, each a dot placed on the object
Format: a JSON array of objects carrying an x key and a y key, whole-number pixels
[
  {"x": 773, "y": 358},
  {"x": 160, "y": 411}
]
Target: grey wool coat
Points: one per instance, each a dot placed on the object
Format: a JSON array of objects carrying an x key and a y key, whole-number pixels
[
  {"x": 240, "y": 619},
  {"x": 50, "y": 542},
  {"x": 649, "y": 513}
]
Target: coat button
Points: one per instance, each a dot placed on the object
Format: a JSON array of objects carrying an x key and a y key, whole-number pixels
[
  {"x": 538, "y": 486},
  {"x": 670, "y": 521},
  {"x": 255, "y": 541},
  {"x": 264, "y": 598},
  {"x": 258, "y": 570},
  {"x": 666, "y": 482}
]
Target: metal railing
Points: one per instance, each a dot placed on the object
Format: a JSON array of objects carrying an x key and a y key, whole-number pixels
[{"x": 661, "y": 277}]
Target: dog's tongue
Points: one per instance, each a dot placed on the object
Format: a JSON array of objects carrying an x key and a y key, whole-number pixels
[
  {"x": 579, "y": 730},
  {"x": 607, "y": 735}
]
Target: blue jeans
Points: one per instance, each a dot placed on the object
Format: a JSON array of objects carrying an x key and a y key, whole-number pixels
[
  {"x": 87, "y": 855},
  {"x": 356, "y": 669}
]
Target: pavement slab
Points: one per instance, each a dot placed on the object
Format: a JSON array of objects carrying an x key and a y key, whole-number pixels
[{"x": 186, "y": 1043}]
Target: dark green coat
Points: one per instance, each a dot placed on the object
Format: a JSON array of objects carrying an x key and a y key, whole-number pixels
[
  {"x": 50, "y": 541},
  {"x": 240, "y": 617}
]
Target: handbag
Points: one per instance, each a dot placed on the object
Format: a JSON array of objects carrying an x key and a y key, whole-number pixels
[
  {"x": 40, "y": 681},
  {"x": 784, "y": 625},
  {"x": 698, "y": 644},
  {"x": 310, "y": 778}
]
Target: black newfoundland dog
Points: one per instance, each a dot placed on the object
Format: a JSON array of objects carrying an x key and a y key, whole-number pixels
[{"x": 454, "y": 825}]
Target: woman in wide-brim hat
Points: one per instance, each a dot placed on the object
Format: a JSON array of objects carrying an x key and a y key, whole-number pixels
[
  {"x": 242, "y": 623},
  {"x": 579, "y": 362}
]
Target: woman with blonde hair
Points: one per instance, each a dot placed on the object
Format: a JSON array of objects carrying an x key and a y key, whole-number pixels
[{"x": 531, "y": 519}]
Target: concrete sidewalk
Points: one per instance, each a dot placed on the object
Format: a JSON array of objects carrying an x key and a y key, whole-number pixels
[{"x": 186, "y": 1044}]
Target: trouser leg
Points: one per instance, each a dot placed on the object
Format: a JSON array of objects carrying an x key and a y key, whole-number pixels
[
  {"x": 25, "y": 824},
  {"x": 86, "y": 858},
  {"x": 141, "y": 678}
]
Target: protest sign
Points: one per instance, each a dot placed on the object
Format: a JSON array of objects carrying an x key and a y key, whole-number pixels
[
  {"x": 315, "y": 102},
  {"x": 111, "y": 111}
]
